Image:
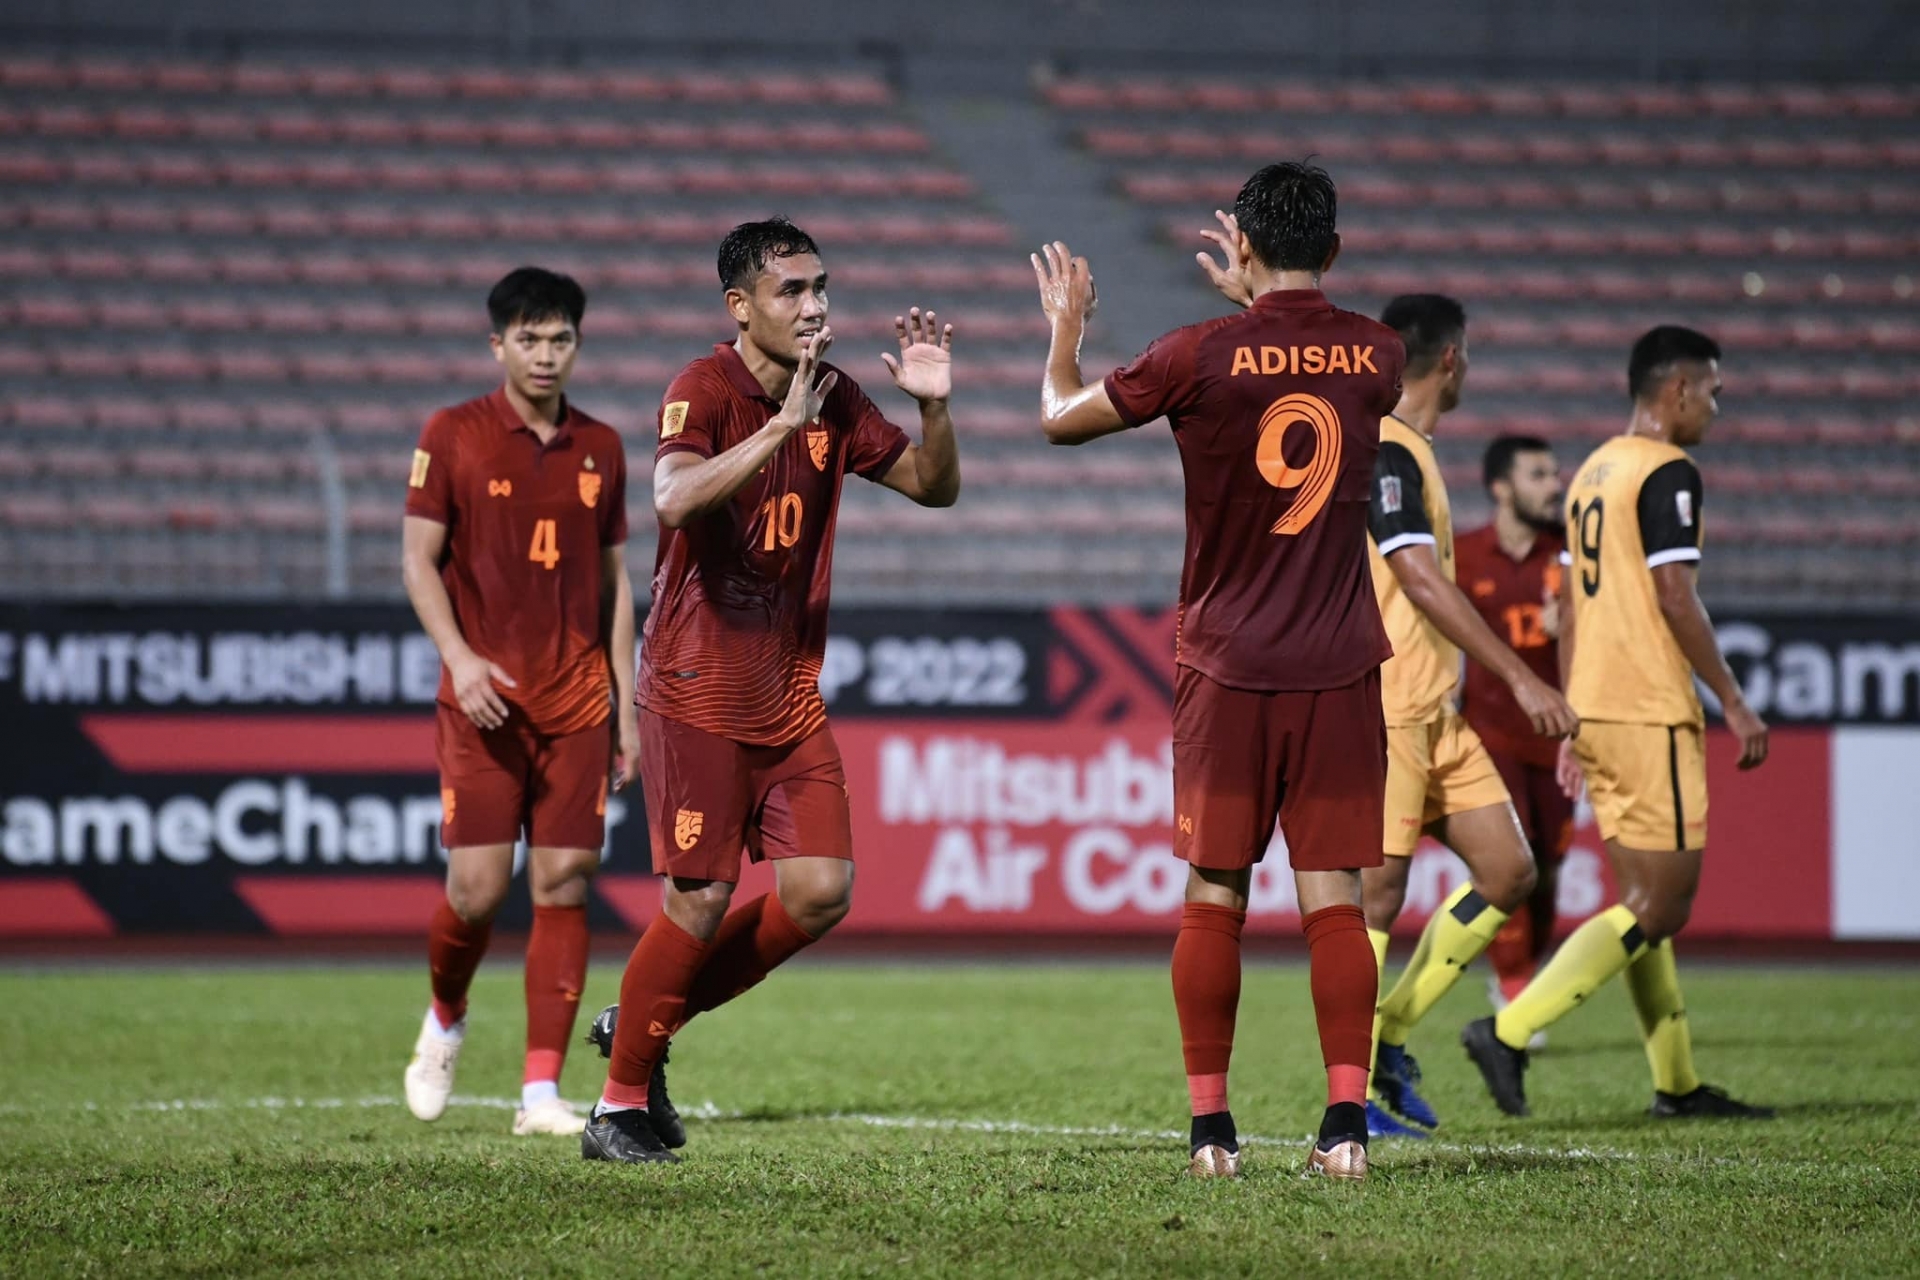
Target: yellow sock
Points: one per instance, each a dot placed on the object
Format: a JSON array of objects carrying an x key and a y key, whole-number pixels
[
  {"x": 1587, "y": 961},
  {"x": 1459, "y": 931},
  {"x": 1379, "y": 938},
  {"x": 1655, "y": 984}
]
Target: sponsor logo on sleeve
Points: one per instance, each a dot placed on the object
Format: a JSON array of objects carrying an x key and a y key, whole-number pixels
[
  {"x": 1683, "y": 506},
  {"x": 1389, "y": 494},
  {"x": 421, "y": 461},
  {"x": 673, "y": 419}
]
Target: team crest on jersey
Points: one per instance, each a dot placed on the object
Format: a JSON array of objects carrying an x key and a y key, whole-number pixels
[
  {"x": 817, "y": 442},
  {"x": 1484, "y": 587},
  {"x": 673, "y": 419},
  {"x": 1389, "y": 494},
  {"x": 589, "y": 487},
  {"x": 1683, "y": 505},
  {"x": 686, "y": 828}
]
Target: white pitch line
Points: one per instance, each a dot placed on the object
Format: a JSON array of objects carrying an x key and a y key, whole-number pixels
[{"x": 708, "y": 1111}]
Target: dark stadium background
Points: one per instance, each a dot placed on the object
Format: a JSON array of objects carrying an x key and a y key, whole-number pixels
[{"x": 243, "y": 249}]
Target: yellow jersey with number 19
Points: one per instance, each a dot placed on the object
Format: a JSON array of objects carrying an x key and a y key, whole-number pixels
[
  {"x": 1409, "y": 507},
  {"x": 1634, "y": 505}
]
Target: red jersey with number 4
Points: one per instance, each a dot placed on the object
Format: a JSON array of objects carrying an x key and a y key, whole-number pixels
[
  {"x": 1511, "y": 595},
  {"x": 1277, "y": 414},
  {"x": 526, "y": 523},
  {"x": 738, "y": 627}
]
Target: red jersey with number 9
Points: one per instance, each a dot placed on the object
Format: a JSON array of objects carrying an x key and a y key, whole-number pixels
[
  {"x": 1276, "y": 411},
  {"x": 738, "y": 626},
  {"x": 526, "y": 523}
]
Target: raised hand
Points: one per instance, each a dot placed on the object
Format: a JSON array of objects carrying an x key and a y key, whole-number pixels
[
  {"x": 1066, "y": 284},
  {"x": 1233, "y": 279},
  {"x": 924, "y": 368},
  {"x": 805, "y": 398}
]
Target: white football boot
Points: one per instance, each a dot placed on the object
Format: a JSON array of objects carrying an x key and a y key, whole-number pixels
[
  {"x": 429, "y": 1078},
  {"x": 553, "y": 1116}
]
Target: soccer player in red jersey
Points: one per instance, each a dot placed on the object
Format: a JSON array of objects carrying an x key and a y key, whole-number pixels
[
  {"x": 756, "y": 439},
  {"x": 514, "y": 560},
  {"x": 1276, "y": 410},
  {"x": 1510, "y": 571}
]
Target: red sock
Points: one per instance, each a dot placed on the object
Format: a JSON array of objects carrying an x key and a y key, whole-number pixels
[
  {"x": 1512, "y": 954},
  {"x": 1206, "y": 996},
  {"x": 653, "y": 1002},
  {"x": 753, "y": 941},
  {"x": 1346, "y": 983},
  {"x": 454, "y": 950},
  {"x": 556, "y": 971}
]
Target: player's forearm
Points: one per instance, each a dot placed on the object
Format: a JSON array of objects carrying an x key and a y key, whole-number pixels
[
  {"x": 937, "y": 461},
  {"x": 431, "y": 604},
  {"x": 620, "y": 637},
  {"x": 1460, "y": 622},
  {"x": 1693, "y": 631},
  {"x": 694, "y": 489},
  {"x": 1062, "y": 381},
  {"x": 1565, "y": 640}
]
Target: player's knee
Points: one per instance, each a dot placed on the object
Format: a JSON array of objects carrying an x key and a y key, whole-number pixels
[
  {"x": 1510, "y": 889},
  {"x": 1381, "y": 898},
  {"x": 698, "y": 906},
  {"x": 1659, "y": 917},
  {"x": 560, "y": 878},
  {"x": 818, "y": 902},
  {"x": 476, "y": 898}
]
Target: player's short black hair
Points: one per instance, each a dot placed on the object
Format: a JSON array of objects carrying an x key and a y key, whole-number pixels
[
  {"x": 1287, "y": 213},
  {"x": 748, "y": 248},
  {"x": 529, "y": 295},
  {"x": 1498, "y": 462},
  {"x": 1426, "y": 323},
  {"x": 1658, "y": 350}
]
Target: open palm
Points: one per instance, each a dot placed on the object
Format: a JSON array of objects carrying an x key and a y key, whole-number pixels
[{"x": 924, "y": 367}]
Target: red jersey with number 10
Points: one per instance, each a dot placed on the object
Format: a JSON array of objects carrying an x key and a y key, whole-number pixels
[
  {"x": 1277, "y": 414},
  {"x": 1511, "y": 595},
  {"x": 738, "y": 627}
]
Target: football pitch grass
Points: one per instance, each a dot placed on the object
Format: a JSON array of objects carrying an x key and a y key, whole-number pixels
[{"x": 987, "y": 1120}]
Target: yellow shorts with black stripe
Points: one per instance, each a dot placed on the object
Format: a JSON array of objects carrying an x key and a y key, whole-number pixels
[
  {"x": 1435, "y": 770},
  {"x": 1647, "y": 783}
]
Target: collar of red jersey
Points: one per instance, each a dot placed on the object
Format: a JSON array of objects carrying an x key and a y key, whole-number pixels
[
  {"x": 738, "y": 374},
  {"x": 1290, "y": 300},
  {"x": 510, "y": 417}
]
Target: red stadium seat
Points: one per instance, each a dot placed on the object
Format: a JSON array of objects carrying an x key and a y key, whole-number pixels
[
  {"x": 336, "y": 81},
  {"x": 36, "y": 511},
  {"x": 132, "y": 313},
  {"x": 299, "y": 127},
  {"x": 241, "y": 365},
  {"x": 265, "y": 80}
]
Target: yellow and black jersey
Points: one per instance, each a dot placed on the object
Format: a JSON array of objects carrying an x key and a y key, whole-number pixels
[
  {"x": 1409, "y": 508},
  {"x": 1634, "y": 505}
]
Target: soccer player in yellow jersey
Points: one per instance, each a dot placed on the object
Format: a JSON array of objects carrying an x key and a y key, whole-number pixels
[
  {"x": 1440, "y": 778},
  {"x": 1633, "y": 636}
]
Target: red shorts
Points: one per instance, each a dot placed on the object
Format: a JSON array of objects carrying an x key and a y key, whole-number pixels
[
  {"x": 1314, "y": 761},
  {"x": 1546, "y": 815},
  {"x": 709, "y": 798},
  {"x": 497, "y": 783}
]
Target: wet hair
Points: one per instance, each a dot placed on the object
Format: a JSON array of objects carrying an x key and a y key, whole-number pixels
[
  {"x": 1287, "y": 213},
  {"x": 748, "y": 248},
  {"x": 1498, "y": 462},
  {"x": 1659, "y": 350},
  {"x": 530, "y": 295},
  {"x": 1426, "y": 323}
]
